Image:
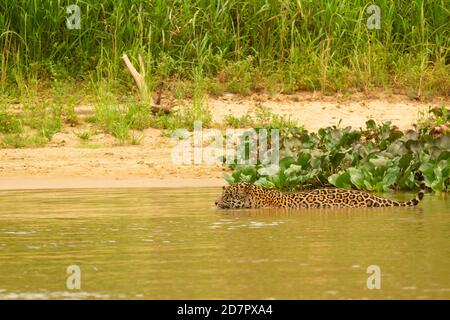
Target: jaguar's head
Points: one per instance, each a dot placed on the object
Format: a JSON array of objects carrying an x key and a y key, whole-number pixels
[{"x": 235, "y": 196}]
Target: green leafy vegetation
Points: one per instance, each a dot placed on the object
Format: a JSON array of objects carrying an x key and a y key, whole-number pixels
[
  {"x": 199, "y": 47},
  {"x": 35, "y": 122},
  {"x": 9, "y": 123},
  {"x": 238, "y": 46},
  {"x": 263, "y": 118},
  {"x": 378, "y": 158},
  {"x": 34, "y": 125},
  {"x": 120, "y": 120}
]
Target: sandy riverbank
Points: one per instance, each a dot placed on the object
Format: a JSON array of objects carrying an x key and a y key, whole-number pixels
[{"x": 66, "y": 163}]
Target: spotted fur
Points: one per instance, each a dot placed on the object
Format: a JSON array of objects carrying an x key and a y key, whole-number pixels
[{"x": 246, "y": 195}]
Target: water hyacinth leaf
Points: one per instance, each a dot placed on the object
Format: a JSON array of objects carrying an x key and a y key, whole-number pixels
[
  {"x": 341, "y": 180},
  {"x": 316, "y": 162},
  {"x": 427, "y": 170},
  {"x": 394, "y": 135},
  {"x": 370, "y": 124},
  {"x": 335, "y": 137},
  {"x": 268, "y": 170},
  {"x": 312, "y": 174},
  {"x": 337, "y": 158},
  {"x": 411, "y": 135},
  {"x": 293, "y": 168},
  {"x": 445, "y": 167},
  {"x": 444, "y": 155},
  {"x": 390, "y": 178},
  {"x": 292, "y": 181},
  {"x": 332, "y": 179},
  {"x": 244, "y": 173},
  {"x": 303, "y": 178},
  {"x": 349, "y": 160},
  {"x": 322, "y": 132},
  {"x": 427, "y": 138},
  {"x": 350, "y": 138},
  {"x": 405, "y": 161},
  {"x": 368, "y": 185},
  {"x": 434, "y": 152},
  {"x": 406, "y": 181},
  {"x": 379, "y": 186},
  {"x": 413, "y": 145},
  {"x": 441, "y": 169},
  {"x": 245, "y": 178},
  {"x": 277, "y": 182},
  {"x": 356, "y": 177},
  {"x": 444, "y": 142},
  {"x": 228, "y": 178},
  {"x": 397, "y": 148},
  {"x": 379, "y": 162},
  {"x": 303, "y": 159},
  {"x": 286, "y": 162},
  {"x": 438, "y": 185},
  {"x": 265, "y": 183}
]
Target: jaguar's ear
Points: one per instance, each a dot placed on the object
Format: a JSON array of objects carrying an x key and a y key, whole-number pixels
[{"x": 243, "y": 192}]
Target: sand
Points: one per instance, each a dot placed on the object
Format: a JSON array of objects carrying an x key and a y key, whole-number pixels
[{"x": 67, "y": 163}]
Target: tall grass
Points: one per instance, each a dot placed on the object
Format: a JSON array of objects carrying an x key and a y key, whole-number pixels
[{"x": 237, "y": 45}]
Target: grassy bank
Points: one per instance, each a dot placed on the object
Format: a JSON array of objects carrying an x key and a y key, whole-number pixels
[
  {"x": 204, "y": 47},
  {"x": 237, "y": 46}
]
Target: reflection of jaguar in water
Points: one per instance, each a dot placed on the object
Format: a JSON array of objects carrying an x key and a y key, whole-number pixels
[{"x": 246, "y": 195}]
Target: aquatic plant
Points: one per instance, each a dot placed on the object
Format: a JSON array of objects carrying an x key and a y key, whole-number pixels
[{"x": 377, "y": 158}]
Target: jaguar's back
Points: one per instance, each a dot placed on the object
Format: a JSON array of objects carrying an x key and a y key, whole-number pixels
[{"x": 245, "y": 195}]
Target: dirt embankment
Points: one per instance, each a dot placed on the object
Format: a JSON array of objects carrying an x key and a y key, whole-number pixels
[{"x": 65, "y": 163}]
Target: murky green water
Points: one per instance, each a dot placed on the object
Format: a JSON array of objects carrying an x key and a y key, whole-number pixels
[{"x": 173, "y": 244}]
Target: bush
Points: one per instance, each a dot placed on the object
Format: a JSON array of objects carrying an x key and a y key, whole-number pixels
[
  {"x": 9, "y": 123},
  {"x": 377, "y": 158}
]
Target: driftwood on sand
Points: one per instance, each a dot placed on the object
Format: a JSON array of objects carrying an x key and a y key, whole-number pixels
[{"x": 139, "y": 78}]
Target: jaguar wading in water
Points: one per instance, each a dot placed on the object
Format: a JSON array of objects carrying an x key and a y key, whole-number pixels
[{"x": 246, "y": 195}]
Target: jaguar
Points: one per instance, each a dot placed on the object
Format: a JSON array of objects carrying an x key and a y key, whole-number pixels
[{"x": 247, "y": 195}]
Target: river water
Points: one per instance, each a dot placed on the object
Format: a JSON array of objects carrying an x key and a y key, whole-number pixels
[{"x": 174, "y": 244}]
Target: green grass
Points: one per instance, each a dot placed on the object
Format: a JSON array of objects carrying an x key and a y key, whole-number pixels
[
  {"x": 126, "y": 120},
  {"x": 238, "y": 46},
  {"x": 263, "y": 118},
  {"x": 34, "y": 125},
  {"x": 245, "y": 121},
  {"x": 37, "y": 120},
  {"x": 21, "y": 140},
  {"x": 199, "y": 47},
  {"x": 9, "y": 123},
  {"x": 91, "y": 145},
  {"x": 84, "y": 136}
]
